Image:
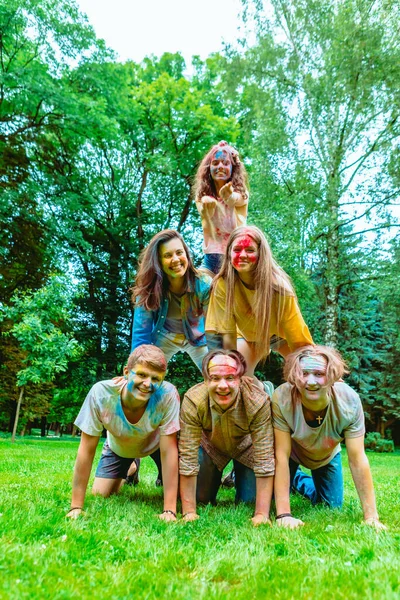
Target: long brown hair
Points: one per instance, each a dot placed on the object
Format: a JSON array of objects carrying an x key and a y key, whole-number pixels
[
  {"x": 204, "y": 184},
  {"x": 152, "y": 284},
  {"x": 269, "y": 279}
]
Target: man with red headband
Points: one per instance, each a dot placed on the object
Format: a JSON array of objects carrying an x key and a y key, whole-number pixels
[
  {"x": 312, "y": 413},
  {"x": 226, "y": 417}
]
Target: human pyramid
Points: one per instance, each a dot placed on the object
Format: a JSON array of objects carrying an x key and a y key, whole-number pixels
[{"x": 227, "y": 316}]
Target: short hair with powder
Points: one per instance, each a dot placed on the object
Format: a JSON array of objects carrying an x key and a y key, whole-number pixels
[
  {"x": 237, "y": 357},
  {"x": 149, "y": 356},
  {"x": 335, "y": 365}
]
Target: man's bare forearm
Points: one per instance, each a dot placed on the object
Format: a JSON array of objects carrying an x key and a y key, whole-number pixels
[
  {"x": 169, "y": 464},
  {"x": 282, "y": 485},
  {"x": 188, "y": 493},
  {"x": 264, "y": 489}
]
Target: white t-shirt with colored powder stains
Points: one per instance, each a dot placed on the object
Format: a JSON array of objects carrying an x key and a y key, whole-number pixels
[
  {"x": 315, "y": 447},
  {"x": 218, "y": 227},
  {"x": 103, "y": 408}
]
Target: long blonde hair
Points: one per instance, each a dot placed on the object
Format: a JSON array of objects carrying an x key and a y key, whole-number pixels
[{"x": 269, "y": 279}]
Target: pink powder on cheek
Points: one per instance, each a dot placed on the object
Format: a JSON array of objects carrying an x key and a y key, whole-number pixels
[{"x": 244, "y": 241}]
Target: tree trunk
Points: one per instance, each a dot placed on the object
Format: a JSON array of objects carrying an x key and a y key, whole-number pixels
[
  {"x": 43, "y": 422},
  {"x": 21, "y": 395},
  {"x": 332, "y": 266}
]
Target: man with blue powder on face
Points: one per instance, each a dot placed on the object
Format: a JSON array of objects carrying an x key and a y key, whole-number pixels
[{"x": 140, "y": 416}]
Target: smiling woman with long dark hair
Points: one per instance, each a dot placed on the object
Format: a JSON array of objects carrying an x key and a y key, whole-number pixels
[{"x": 171, "y": 299}]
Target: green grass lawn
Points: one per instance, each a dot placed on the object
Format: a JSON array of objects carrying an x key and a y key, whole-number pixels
[{"x": 121, "y": 550}]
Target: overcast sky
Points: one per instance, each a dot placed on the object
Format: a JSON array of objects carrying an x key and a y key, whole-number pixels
[{"x": 136, "y": 29}]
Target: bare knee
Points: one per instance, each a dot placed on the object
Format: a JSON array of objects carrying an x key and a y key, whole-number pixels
[{"x": 106, "y": 487}]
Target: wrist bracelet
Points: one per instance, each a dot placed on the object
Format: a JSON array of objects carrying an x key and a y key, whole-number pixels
[
  {"x": 171, "y": 512},
  {"x": 283, "y": 515}
]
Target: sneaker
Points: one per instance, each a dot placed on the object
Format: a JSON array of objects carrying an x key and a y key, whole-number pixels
[
  {"x": 133, "y": 479},
  {"x": 229, "y": 480},
  {"x": 159, "y": 482}
]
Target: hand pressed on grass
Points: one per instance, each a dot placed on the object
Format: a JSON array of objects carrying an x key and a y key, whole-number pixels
[
  {"x": 190, "y": 516},
  {"x": 289, "y": 522},
  {"x": 168, "y": 516},
  {"x": 74, "y": 512},
  {"x": 260, "y": 519},
  {"x": 375, "y": 522}
]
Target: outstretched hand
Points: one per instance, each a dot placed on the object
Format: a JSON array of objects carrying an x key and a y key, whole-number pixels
[
  {"x": 226, "y": 191},
  {"x": 209, "y": 205}
]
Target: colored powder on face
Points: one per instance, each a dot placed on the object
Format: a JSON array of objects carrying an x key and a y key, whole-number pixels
[
  {"x": 221, "y": 154},
  {"x": 224, "y": 369},
  {"x": 242, "y": 243},
  {"x": 313, "y": 363},
  {"x": 131, "y": 383},
  {"x": 220, "y": 360}
]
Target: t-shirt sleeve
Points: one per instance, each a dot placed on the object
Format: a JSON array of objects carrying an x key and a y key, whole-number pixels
[
  {"x": 88, "y": 419},
  {"x": 357, "y": 427},
  {"x": 278, "y": 420},
  {"x": 170, "y": 422},
  {"x": 189, "y": 439},
  {"x": 217, "y": 320},
  {"x": 291, "y": 325}
]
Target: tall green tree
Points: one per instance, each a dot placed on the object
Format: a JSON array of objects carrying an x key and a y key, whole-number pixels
[
  {"x": 333, "y": 72},
  {"x": 118, "y": 172},
  {"x": 38, "y": 322}
]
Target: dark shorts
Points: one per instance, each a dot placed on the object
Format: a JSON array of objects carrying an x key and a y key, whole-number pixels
[{"x": 112, "y": 466}]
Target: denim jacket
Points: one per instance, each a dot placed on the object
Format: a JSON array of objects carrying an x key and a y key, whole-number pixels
[{"x": 147, "y": 324}]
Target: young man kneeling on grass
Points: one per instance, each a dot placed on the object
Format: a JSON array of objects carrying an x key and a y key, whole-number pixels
[
  {"x": 226, "y": 417},
  {"x": 312, "y": 413},
  {"x": 140, "y": 416}
]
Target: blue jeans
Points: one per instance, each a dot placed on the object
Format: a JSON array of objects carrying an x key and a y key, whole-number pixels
[
  {"x": 212, "y": 262},
  {"x": 323, "y": 485},
  {"x": 209, "y": 481}
]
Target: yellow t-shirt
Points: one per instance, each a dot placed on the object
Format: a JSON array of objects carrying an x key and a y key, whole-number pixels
[{"x": 291, "y": 327}]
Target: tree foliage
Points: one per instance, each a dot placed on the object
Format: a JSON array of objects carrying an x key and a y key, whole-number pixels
[{"x": 97, "y": 156}]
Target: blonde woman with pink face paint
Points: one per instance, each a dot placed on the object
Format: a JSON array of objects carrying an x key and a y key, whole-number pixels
[
  {"x": 253, "y": 303},
  {"x": 312, "y": 414}
]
